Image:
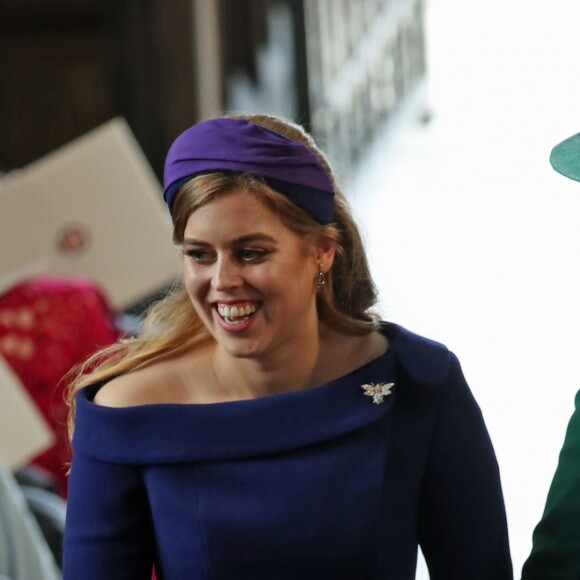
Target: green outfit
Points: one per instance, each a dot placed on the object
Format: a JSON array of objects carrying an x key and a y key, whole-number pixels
[{"x": 556, "y": 548}]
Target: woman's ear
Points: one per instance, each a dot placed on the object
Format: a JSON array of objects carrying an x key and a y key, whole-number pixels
[{"x": 324, "y": 253}]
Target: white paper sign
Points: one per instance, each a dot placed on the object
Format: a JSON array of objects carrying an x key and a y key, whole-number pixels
[
  {"x": 23, "y": 431},
  {"x": 92, "y": 208}
]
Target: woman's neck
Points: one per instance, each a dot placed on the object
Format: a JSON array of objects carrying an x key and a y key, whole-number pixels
[
  {"x": 290, "y": 369},
  {"x": 319, "y": 358}
]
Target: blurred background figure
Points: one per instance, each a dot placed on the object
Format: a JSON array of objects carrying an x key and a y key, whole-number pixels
[
  {"x": 24, "y": 552},
  {"x": 556, "y": 547},
  {"x": 471, "y": 238},
  {"x": 47, "y": 326}
]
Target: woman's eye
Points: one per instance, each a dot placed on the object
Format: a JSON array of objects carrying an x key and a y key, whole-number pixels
[
  {"x": 251, "y": 255},
  {"x": 198, "y": 255}
]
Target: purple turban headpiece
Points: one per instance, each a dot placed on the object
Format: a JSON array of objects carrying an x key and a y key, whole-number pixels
[{"x": 239, "y": 146}]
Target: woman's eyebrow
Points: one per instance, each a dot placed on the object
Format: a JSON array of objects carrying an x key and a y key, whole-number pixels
[
  {"x": 257, "y": 237},
  {"x": 254, "y": 237},
  {"x": 194, "y": 242}
]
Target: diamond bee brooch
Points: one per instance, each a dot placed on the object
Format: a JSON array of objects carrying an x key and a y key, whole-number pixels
[{"x": 378, "y": 391}]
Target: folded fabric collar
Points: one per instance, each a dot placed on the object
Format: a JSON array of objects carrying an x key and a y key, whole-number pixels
[{"x": 239, "y": 146}]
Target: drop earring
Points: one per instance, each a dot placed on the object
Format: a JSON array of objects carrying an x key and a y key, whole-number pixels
[{"x": 320, "y": 280}]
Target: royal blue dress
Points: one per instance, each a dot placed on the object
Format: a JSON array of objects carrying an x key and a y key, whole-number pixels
[{"x": 320, "y": 484}]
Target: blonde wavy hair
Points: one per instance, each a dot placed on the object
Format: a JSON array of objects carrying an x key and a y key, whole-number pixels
[{"x": 171, "y": 324}]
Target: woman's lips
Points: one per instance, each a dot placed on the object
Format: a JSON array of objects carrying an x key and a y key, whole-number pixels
[
  {"x": 239, "y": 310},
  {"x": 236, "y": 317}
]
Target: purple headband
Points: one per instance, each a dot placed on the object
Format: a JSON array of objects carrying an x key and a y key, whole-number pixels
[{"x": 239, "y": 146}]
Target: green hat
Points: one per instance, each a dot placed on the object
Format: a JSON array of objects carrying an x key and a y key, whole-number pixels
[{"x": 565, "y": 157}]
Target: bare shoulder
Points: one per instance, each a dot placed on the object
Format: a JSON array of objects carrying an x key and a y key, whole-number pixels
[
  {"x": 135, "y": 388},
  {"x": 162, "y": 382}
]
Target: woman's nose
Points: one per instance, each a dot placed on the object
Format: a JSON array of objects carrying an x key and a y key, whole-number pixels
[{"x": 226, "y": 275}]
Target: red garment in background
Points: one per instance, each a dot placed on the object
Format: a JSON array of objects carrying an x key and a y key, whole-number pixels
[{"x": 47, "y": 326}]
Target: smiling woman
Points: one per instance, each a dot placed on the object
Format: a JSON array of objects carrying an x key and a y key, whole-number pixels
[
  {"x": 265, "y": 424},
  {"x": 241, "y": 258}
]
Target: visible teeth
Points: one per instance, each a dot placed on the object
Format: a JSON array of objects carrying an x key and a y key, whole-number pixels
[{"x": 236, "y": 311}]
